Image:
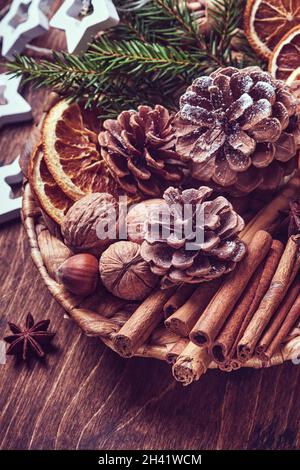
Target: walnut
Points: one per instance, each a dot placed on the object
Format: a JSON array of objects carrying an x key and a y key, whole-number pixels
[
  {"x": 91, "y": 223},
  {"x": 124, "y": 273},
  {"x": 137, "y": 217}
]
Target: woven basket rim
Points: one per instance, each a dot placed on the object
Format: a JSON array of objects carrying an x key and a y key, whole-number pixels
[{"x": 104, "y": 328}]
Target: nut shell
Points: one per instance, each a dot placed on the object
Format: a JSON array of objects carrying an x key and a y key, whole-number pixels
[
  {"x": 137, "y": 217},
  {"x": 124, "y": 273},
  {"x": 80, "y": 227},
  {"x": 79, "y": 274}
]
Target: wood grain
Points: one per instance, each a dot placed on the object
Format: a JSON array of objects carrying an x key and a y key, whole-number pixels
[{"x": 86, "y": 397}]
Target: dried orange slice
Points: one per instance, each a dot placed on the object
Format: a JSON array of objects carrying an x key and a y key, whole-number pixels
[
  {"x": 294, "y": 82},
  {"x": 51, "y": 198},
  {"x": 294, "y": 77},
  {"x": 71, "y": 153},
  {"x": 268, "y": 21},
  {"x": 286, "y": 56}
]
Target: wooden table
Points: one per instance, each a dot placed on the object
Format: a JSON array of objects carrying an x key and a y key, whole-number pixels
[{"x": 86, "y": 397}]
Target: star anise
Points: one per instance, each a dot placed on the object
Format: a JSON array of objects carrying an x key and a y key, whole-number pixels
[
  {"x": 294, "y": 218},
  {"x": 28, "y": 341}
]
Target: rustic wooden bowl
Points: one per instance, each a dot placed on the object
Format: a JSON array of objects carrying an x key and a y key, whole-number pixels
[{"x": 104, "y": 321}]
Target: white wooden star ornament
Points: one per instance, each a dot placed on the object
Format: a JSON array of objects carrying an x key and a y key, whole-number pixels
[
  {"x": 13, "y": 107},
  {"x": 25, "y": 21},
  {"x": 10, "y": 207},
  {"x": 80, "y": 29}
]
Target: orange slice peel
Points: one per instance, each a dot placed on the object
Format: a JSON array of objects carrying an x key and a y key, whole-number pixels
[
  {"x": 51, "y": 198},
  {"x": 286, "y": 56},
  {"x": 268, "y": 21}
]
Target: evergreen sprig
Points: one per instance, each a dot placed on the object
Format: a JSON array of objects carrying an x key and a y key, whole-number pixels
[
  {"x": 161, "y": 52},
  {"x": 167, "y": 22}
]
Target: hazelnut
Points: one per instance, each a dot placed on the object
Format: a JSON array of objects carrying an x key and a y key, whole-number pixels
[
  {"x": 137, "y": 217},
  {"x": 79, "y": 274},
  {"x": 91, "y": 223},
  {"x": 124, "y": 273}
]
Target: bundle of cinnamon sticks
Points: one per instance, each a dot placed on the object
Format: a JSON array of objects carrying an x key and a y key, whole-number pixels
[{"x": 250, "y": 314}]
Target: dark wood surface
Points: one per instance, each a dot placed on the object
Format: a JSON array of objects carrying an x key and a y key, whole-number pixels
[{"x": 86, "y": 397}]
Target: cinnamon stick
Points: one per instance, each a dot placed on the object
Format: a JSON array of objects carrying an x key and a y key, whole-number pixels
[
  {"x": 270, "y": 216},
  {"x": 224, "y": 348},
  {"x": 290, "y": 320},
  {"x": 235, "y": 364},
  {"x": 183, "y": 320},
  {"x": 225, "y": 366},
  {"x": 285, "y": 274},
  {"x": 191, "y": 364},
  {"x": 214, "y": 316},
  {"x": 279, "y": 318},
  {"x": 178, "y": 298},
  {"x": 222, "y": 345},
  {"x": 141, "y": 323},
  {"x": 176, "y": 350}
]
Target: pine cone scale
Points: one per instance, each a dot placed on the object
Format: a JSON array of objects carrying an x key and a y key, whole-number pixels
[
  {"x": 237, "y": 160},
  {"x": 285, "y": 147},
  {"x": 241, "y": 141},
  {"x": 113, "y": 162},
  {"x": 223, "y": 174},
  {"x": 151, "y": 162},
  {"x": 280, "y": 113},
  {"x": 239, "y": 107},
  {"x": 268, "y": 130},
  {"x": 141, "y": 173},
  {"x": 263, "y": 155},
  {"x": 249, "y": 180},
  {"x": 208, "y": 144},
  {"x": 148, "y": 188},
  {"x": 126, "y": 138},
  {"x": 201, "y": 267}
]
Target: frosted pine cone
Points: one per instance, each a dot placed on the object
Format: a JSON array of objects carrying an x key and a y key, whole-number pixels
[
  {"x": 194, "y": 238},
  {"x": 239, "y": 129},
  {"x": 139, "y": 149}
]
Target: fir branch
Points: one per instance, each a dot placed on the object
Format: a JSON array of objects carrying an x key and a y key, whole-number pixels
[
  {"x": 105, "y": 58},
  {"x": 75, "y": 78},
  {"x": 160, "y": 53},
  {"x": 167, "y": 22},
  {"x": 140, "y": 58}
]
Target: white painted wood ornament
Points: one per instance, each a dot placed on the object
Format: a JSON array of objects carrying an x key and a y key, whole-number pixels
[
  {"x": 80, "y": 28},
  {"x": 13, "y": 107},
  {"x": 10, "y": 207},
  {"x": 25, "y": 21}
]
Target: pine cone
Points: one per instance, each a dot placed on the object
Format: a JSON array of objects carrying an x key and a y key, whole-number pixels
[
  {"x": 139, "y": 149},
  {"x": 193, "y": 238},
  {"x": 239, "y": 129}
]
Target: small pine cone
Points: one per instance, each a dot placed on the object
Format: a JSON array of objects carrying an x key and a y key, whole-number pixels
[
  {"x": 239, "y": 129},
  {"x": 139, "y": 150},
  {"x": 192, "y": 238}
]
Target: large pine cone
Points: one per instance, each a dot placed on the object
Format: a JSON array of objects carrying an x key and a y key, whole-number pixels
[
  {"x": 139, "y": 149},
  {"x": 239, "y": 129},
  {"x": 193, "y": 238}
]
